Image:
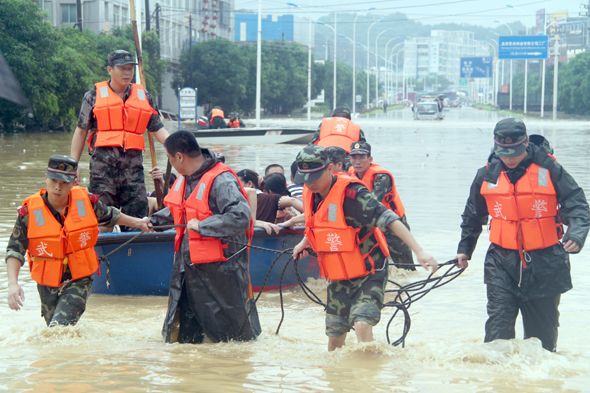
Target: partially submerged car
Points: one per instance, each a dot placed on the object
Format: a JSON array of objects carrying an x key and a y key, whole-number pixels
[{"x": 427, "y": 110}]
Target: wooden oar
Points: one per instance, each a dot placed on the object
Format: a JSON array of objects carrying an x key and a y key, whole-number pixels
[{"x": 157, "y": 185}]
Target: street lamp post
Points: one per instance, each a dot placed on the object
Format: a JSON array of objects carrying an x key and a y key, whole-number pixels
[
  {"x": 377, "y": 64},
  {"x": 258, "y": 63},
  {"x": 354, "y": 64},
  {"x": 309, "y": 41},
  {"x": 510, "y": 92},
  {"x": 368, "y": 56},
  {"x": 334, "y": 83}
]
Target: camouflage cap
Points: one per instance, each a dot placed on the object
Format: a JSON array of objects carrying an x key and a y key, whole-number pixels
[
  {"x": 311, "y": 163},
  {"x": 120, "y": 57},
  {"x": 510, "y": 137},
  {"x": 63, "y": 168},
  {"x": 360, "y": 148}
]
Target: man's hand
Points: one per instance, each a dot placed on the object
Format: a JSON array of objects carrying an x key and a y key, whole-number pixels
[
  {"x": 269, "y": 227},
  {"x": 144, "y": 225},
  {"x": 16, "y": 296},
  {"x": 571, "y": 246},
  {"x": 157, "y": 174},
  {"x": 462, "y": 261},
  {"x": 300, "y": 250},
  {"x": 193, "y": 225},
  {"x": 427, "y": 261}
]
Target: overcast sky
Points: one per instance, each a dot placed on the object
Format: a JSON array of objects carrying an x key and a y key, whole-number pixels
[{"x": 480, "y": 12}]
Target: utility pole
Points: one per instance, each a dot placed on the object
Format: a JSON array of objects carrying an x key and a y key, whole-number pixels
[
  {"x": 79, "y": 14},
  {"x": 148, "y": 16},
  {"x": 190, "y": 32},
  {"x": 158, "y": 54}
]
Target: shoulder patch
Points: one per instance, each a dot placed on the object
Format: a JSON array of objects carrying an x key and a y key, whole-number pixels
[
  {"x": 22, "y": 210},
  {"x": 351, "y": 192},
  {"x": 93, "y": 198}
]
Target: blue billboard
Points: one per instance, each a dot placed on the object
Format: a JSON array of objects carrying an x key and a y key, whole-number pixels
[
  {"x": 522, "y": 47},
  {"x": 476, "y": 67}
]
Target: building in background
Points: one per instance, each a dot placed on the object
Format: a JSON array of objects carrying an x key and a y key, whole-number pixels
[
  {"x": 206, "y": 18},
  {"x": 274, "y": 28},
  {"x": 439, "y": 55}
]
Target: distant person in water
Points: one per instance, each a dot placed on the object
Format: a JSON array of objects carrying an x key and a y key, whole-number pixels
[{"x": 217, "y": 118}]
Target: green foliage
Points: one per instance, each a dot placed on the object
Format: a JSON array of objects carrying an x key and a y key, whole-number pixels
[
  {"x": 574, "y": 85},
  {"x": 56, "y": 66},
  {"x": 225, "y": 74}
]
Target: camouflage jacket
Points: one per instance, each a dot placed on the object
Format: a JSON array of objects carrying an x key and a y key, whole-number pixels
[
  {"x": 87, "y": 120},
  {"x": 231, "y": 212},
  {"x": 362, "y": 210},
  {"x": 19, "y": 241}
]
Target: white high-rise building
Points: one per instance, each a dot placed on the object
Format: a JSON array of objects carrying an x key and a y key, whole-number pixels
[{"x": 440, "y": 54}]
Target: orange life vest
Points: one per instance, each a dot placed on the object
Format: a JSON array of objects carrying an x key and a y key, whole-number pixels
[
  {"x": 336, "y": 243},
  {"x": 523, "y": 215},
  {"x": 121, "y": 124},
  {"x": 391, "y": 200},
  {"x": 338, "y": 131},
  {"x": 234, "y": 123},
  {"x": 203, "y": 249},
  {"x": 216, "y": 112},
  {"x": 52, "y": 246}
]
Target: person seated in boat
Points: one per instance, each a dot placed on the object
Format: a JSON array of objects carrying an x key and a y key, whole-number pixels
[
  {"x": 343, "y": 218},
  {"x": 295, "y": 190},
  {"x": 209, "y": 287},
  {"x": 217, "y": 118},
  {"x": 57, "y": 228},
  {"x": 338, "y": 130},
  {"x": 158, "y": 176},
  {"x": 274, "y": 168},
  {"x": 235, "y": 121},
  {"x": 249, "y": 180},
  {"x": 275, "y": 203}
]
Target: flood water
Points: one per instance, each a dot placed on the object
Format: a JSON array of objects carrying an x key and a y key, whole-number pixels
[{"x": 117, "y": 346}]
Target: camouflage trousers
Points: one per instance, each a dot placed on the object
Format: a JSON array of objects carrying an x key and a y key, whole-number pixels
[
  {"x": 359, "y": 299},
  {"x": 66, "y": 304},
  {"x": 400, "y": 252},
  {"x": 116, "y": 176}
]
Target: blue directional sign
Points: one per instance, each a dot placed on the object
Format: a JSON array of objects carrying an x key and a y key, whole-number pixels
[
  {"x": 476, "y": 67},
  {"x": 523, "y": 47}
]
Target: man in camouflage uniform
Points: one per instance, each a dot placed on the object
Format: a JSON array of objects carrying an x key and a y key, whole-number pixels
[
  {"x": 361, "y": 160},
  {"x": 62, "y": 305},
  {"x": 357, "y": 302},
  {"x": 116, "y": 174},
  {"x": 209, "y": 299}
]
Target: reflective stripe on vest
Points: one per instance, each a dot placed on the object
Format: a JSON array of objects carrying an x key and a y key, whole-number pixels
[
  {"x": 338, "y": 131},
  {"x": 391, "y": 200},
  {"x": 121, "y": 124},
  {"x": 523, "y": 215},
  {"x": 203, "y": 249},
  {"x": 336, "y": 243},
  {"x": 51, "y": 245}
]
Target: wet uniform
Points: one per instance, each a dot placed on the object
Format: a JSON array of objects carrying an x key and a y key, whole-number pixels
[
  {"x": 212, "y": 299},
  {"x": 117, "y": 175},
  {"x": 360, "y": 298},
  {"x": 63, "y": 305},
  {"x": 400, "y": 252},
  {"x": 547, "y": 275}
]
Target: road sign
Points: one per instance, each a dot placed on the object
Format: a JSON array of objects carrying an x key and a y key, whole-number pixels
[
  {"x": 187, "y": 103},
  {"x": 476, "y": 67},
  {"x": 523, "y": 47}
]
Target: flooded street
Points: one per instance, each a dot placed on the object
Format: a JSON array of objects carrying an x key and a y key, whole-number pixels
[{"x": 117, "y": 346}]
